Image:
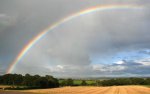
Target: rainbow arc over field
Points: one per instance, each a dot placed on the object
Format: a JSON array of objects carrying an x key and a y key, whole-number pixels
[{"x": 65, "y": 20}]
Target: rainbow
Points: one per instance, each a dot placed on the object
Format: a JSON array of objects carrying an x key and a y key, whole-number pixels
[{"x": 65, "y": 20}]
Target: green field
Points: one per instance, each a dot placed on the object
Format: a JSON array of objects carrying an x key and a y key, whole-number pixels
[
  {"x": 87, "y": 81},
  {"x": 78, "y": 82}
]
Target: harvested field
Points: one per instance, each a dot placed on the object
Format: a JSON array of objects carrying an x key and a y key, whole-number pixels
[
  {"x": 95, "y": 90},
  {"x": 14, "y": 92},
  {"x": 4, "y": 86}
]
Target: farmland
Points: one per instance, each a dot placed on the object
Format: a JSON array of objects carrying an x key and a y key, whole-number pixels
[
  {"x": 84, "y": 90},
  {"x": 35, "y": 84},
  {"x": 94, "y": 90}
]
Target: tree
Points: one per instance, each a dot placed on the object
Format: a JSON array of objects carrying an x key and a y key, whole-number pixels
[
  {"x": 52, "y": 82},
  {"x": 28, "y": 80},
  {"x": 69, "y": 82},
  {"x": 83, "y": 83},
  {"x": 41, "y": 82},
  {"x": 17, "y": 79}
]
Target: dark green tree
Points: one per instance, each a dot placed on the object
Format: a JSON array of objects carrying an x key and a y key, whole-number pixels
[
  {"x": 41, "y": 82},
  {"x": 83, "y": 83},
  {"x": 69, "y": 82}
]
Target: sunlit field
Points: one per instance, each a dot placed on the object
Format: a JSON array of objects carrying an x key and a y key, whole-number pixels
[
  {"x": 4, "y": 86},
  {"x": 96, "y": 90},
  {"x": 86, "y": 90}
]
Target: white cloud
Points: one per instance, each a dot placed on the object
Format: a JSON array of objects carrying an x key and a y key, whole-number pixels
[
  {"x": 60, "y": 66},
  {"x": 6, "y": 20},
  {"x": 120, "y": 62}
]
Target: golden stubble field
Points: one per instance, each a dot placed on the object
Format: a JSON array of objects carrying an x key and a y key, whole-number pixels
[{"x": 94, "y": 90}]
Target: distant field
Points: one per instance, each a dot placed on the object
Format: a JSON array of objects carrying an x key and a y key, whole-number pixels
[
  {"x": 78, "y": 82},
  {"x": 87, "y": 81},
  {"x": 94, "y": 90},
  {"x": 4, "y": 86}
]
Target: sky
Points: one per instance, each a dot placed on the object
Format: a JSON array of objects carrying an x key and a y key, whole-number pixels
[{"x": 108, "y": 43}]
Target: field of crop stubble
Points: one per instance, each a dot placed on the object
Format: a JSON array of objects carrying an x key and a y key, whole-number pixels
[
  {"x": 86, "y": 90},
  {"x": 95, "y": 90}
]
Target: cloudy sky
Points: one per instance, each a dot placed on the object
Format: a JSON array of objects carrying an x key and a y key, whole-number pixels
[{"x": 100, "y": 44}]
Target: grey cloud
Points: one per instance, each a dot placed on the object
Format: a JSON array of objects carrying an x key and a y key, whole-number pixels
[
  {"x": 5, "y": 21},
  {"x": 100, "y": 34},
  {"x": 144, "y": 52}
]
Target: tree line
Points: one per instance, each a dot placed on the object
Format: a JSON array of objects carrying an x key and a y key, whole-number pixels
[
  {"x": 125, "y": 81},
  {"x": 48, "y": 81},
  {"x": 108, "y": 82},
  {"x": 30, "y": 81}
]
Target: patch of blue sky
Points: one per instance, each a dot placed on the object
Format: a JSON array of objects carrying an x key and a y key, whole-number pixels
[
  {"x": 132, "y": 55},
  {"x": 128, "y": 56}
]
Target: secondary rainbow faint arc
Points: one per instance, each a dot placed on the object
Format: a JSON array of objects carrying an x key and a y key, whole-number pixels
[{"x": 64, "y": 20}]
